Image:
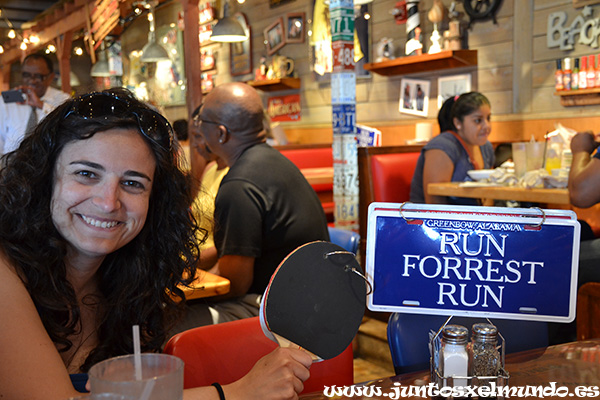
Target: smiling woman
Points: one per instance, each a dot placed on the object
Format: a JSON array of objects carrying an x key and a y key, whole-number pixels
[
  {"x": 96, "y": 236},
  {"x": 94, "y": 232}
]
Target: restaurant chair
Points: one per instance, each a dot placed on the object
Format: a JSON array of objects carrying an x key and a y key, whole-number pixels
[
  {"x": 384, "y": 175},
  {"x": 588, "y": 310},
  {"x": 345, "y": 238},
  {"x": 408, "y": 337},
  {"x": 225, "y": 352}
]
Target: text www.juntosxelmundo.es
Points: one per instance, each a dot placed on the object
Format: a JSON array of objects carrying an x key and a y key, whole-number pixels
[{"x": 432, "y": 390}]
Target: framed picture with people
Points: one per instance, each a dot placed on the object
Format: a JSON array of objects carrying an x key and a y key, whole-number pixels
[
  {"x": 414, "y": 97},
  {"x": 295, "y": 28},
  {"x": 274, "y": 36}
]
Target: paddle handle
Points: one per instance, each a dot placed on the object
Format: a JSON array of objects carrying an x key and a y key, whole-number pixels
[{"x": 283, "y": 342}]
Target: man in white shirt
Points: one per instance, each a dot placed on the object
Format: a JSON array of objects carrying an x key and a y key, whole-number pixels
[{"x": 37, "y": 75}]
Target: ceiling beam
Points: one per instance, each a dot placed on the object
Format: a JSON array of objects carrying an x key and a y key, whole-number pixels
[{"x": 71, "y": 22}]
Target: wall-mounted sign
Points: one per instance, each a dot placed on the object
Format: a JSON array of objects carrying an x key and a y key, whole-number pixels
[
  {"x": 491, "y": 262},
  {"x": 284, "y": 108},
  {"x": 561, "y": 35}
]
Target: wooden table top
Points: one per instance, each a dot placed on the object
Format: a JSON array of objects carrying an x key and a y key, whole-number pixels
[
  {"x": 569, "y": 365},
  {"x": 534, "y": 195},
  {"x": 317, "y": 176},
  {"x": 206, "y": 285}
]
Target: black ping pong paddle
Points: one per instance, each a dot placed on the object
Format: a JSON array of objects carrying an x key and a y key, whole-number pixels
[{"x": 315, "y": 300}]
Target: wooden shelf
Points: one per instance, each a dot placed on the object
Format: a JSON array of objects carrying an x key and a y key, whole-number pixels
[
  {"x": 271, "y": 85},
  {"x": 427, "y": 62},
  {"x": 581, "y": 97}
]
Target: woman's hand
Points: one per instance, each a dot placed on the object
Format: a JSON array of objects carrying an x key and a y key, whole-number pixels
[{"x": 278, "y": 375}]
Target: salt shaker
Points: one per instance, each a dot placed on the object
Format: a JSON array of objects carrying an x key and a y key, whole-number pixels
[
  {"x": 484, "y": 350},
  {"x": 454, "y": 360}
]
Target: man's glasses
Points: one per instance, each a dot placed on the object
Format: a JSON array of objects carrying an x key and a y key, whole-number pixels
[
  {"x": 104, "y": 104},
  {"x": 199, "y": 121},
  {"x": 34, "y": 77}
]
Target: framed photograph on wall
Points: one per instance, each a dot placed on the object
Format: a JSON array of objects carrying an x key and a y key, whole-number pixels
[
  {"x": 295, "y": 28},
  {"x": 414, "y": 97},
  {"x": 240, "y": 53},
  {"x": 454, "y": 85},
  {"x": 275, "y": 36}
]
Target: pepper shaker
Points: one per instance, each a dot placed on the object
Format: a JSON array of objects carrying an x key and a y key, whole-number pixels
[{"x": 484, "y": 350}]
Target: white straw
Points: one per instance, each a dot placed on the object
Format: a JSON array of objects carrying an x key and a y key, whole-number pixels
[
  {"x": 147, "y": 390},
  {"x": 137, "y": 352}
]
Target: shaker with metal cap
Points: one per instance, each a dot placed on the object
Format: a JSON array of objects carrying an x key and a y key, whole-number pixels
[
  {"x": 484, "y": 350},
  {"x": 454, "y": 360}
]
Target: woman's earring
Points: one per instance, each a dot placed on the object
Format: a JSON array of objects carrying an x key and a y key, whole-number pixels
[{"x": 221, "y": 140}]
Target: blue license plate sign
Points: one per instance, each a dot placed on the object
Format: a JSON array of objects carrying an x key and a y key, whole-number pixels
[
  {"x": 492, "y": 262},
  {"x": 344, "y": 119}
]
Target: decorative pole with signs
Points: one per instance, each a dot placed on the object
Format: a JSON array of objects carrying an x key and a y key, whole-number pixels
[{"x": 343, "y": 104}]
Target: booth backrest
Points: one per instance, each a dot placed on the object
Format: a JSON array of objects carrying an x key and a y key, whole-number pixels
[
  {"x": 384, "y": 174},
  {"x": 392, "y": 175},
  {"x": 316, "y": 157}
]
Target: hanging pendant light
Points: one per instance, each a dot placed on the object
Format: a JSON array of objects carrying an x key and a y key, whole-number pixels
[
  {"x": 228, "y": 29},
  {"x": 153, "y": 51},
  {"x": 101, "y": 68}
]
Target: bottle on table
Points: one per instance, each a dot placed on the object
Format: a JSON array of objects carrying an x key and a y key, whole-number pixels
[{"x": 454, "y": 358}]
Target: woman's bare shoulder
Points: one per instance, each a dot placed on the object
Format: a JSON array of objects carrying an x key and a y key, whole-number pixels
[
  {"x": 8, "y": 271},
  {"x": 32, "y": 366}
]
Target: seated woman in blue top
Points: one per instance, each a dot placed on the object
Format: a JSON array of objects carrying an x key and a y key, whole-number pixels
[
  {"x": 95, "y": 236},
  {"x": 461, "y": 146}
]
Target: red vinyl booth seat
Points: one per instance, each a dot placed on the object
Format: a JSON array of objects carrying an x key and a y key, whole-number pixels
[
  {"x": 226, "y": 352},
  {"x": 392, "y": 175}
]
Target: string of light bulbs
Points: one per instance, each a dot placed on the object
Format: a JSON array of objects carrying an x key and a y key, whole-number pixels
[{"x": 14, "y": 33}]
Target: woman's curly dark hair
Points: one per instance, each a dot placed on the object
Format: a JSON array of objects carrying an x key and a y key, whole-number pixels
[{"x": 135, "y": 281}]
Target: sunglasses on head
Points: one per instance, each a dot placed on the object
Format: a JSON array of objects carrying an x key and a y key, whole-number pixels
[{"x": 104, "y": 104}]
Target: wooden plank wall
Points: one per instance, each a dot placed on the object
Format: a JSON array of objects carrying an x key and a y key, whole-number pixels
[{"x": 515, "y": 70}]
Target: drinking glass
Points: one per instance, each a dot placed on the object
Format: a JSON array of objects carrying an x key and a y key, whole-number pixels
[
  {"x": 535, "y": 155},
  {"x": 161, "y": 377},
  {"x": 519, "y": 156}
]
